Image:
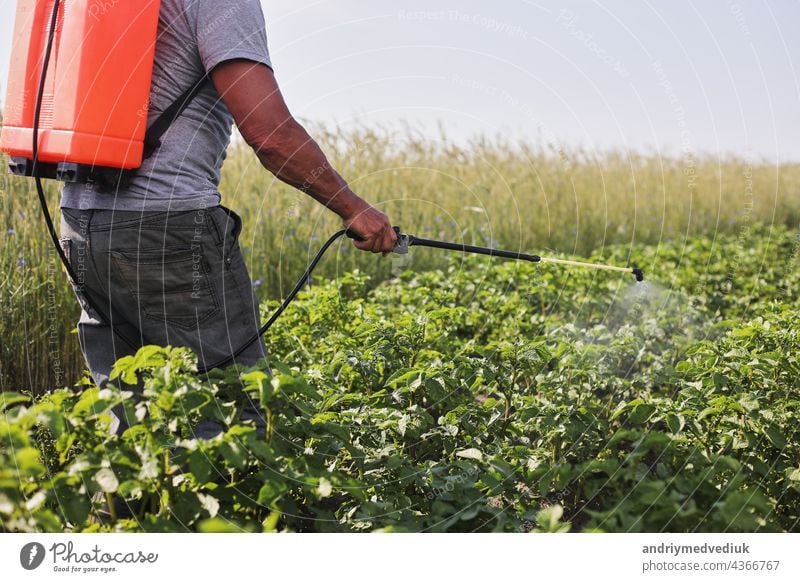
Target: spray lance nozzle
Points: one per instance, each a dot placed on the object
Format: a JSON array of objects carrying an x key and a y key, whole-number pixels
[{"x": 405, "y": 241}]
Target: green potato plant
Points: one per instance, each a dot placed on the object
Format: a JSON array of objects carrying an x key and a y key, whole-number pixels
[{"x": 484, "y": 396}]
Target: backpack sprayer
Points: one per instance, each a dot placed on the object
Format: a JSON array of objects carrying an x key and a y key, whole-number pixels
[{"x": 61, "y": 123}]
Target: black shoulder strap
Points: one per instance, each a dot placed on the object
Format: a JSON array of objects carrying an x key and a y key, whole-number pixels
[{"x": 152, "y": 138}]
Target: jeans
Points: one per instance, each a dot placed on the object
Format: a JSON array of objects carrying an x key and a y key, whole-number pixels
[{"x": 166, "y": 278}]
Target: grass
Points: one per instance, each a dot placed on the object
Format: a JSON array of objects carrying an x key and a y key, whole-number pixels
[{"x": 531, "y": 197}]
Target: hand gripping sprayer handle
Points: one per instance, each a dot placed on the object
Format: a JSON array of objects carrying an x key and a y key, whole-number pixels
[{"x": 403, "y": 240}]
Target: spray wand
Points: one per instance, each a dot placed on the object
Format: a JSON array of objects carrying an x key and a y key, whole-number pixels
[{"x": 405, "y": 241}]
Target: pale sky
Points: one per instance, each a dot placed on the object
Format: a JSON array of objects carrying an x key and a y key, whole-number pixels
[{"x": 714, "y": 76}]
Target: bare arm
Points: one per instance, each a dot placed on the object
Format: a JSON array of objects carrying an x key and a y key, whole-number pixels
[{"x": 251, "y": 93}]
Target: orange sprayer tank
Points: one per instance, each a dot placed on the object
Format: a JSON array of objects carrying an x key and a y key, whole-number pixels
[{"x": 94, "y": 107}]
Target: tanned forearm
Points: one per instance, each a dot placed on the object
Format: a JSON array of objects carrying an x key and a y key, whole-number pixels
[
  {"x": 251, "y": 93},
  {"x": 295, "y": 158}
]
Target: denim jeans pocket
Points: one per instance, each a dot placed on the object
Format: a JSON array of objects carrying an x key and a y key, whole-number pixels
[
  {"x": 169, "y": 284},
  {"x": 229, "y": 225}
]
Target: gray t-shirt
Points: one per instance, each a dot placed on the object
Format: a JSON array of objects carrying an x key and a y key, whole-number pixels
[{"x": 183, "y": 174}]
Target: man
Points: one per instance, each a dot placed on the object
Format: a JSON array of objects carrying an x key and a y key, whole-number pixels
[{"x": 160, "y": 253}]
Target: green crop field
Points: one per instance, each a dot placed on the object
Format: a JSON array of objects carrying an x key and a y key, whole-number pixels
[{"x": 438, "y": 392}]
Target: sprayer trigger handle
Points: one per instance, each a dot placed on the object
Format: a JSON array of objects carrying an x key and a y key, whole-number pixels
[{"x": 403, "y": 242}]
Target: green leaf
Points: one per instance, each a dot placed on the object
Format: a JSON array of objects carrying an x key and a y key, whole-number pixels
[
  {"x": 130, "y": 488},
  {"x": 290, "y": 384},
  {"x": 775, "y": 436},
  {"x": 147, "y": 357},
  {"x": 709, "y": 411},
  {"x": 200, "y": 466},
  {"x": 219, "y": 525},
  {"x": 549, "y": 519},
  {"x": 641, "y": 413},
  {"x": 125, "y": 369},
  {"x": 675, "y": 422},
  {"x": 744, "y": 332},
  {"x": 270, "y": 523},
  {"x": 261, "y": 383},
  {"x": 76, "y": 508},
  {"x": 401, "y": 376},
  {"x": 271, "y": 491},
  {"x": 28, "y": 461},
  {"x": 9, "y": 399},
  {"x": 233, "y": 453},
  {"x": 621, "y": 407}
]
